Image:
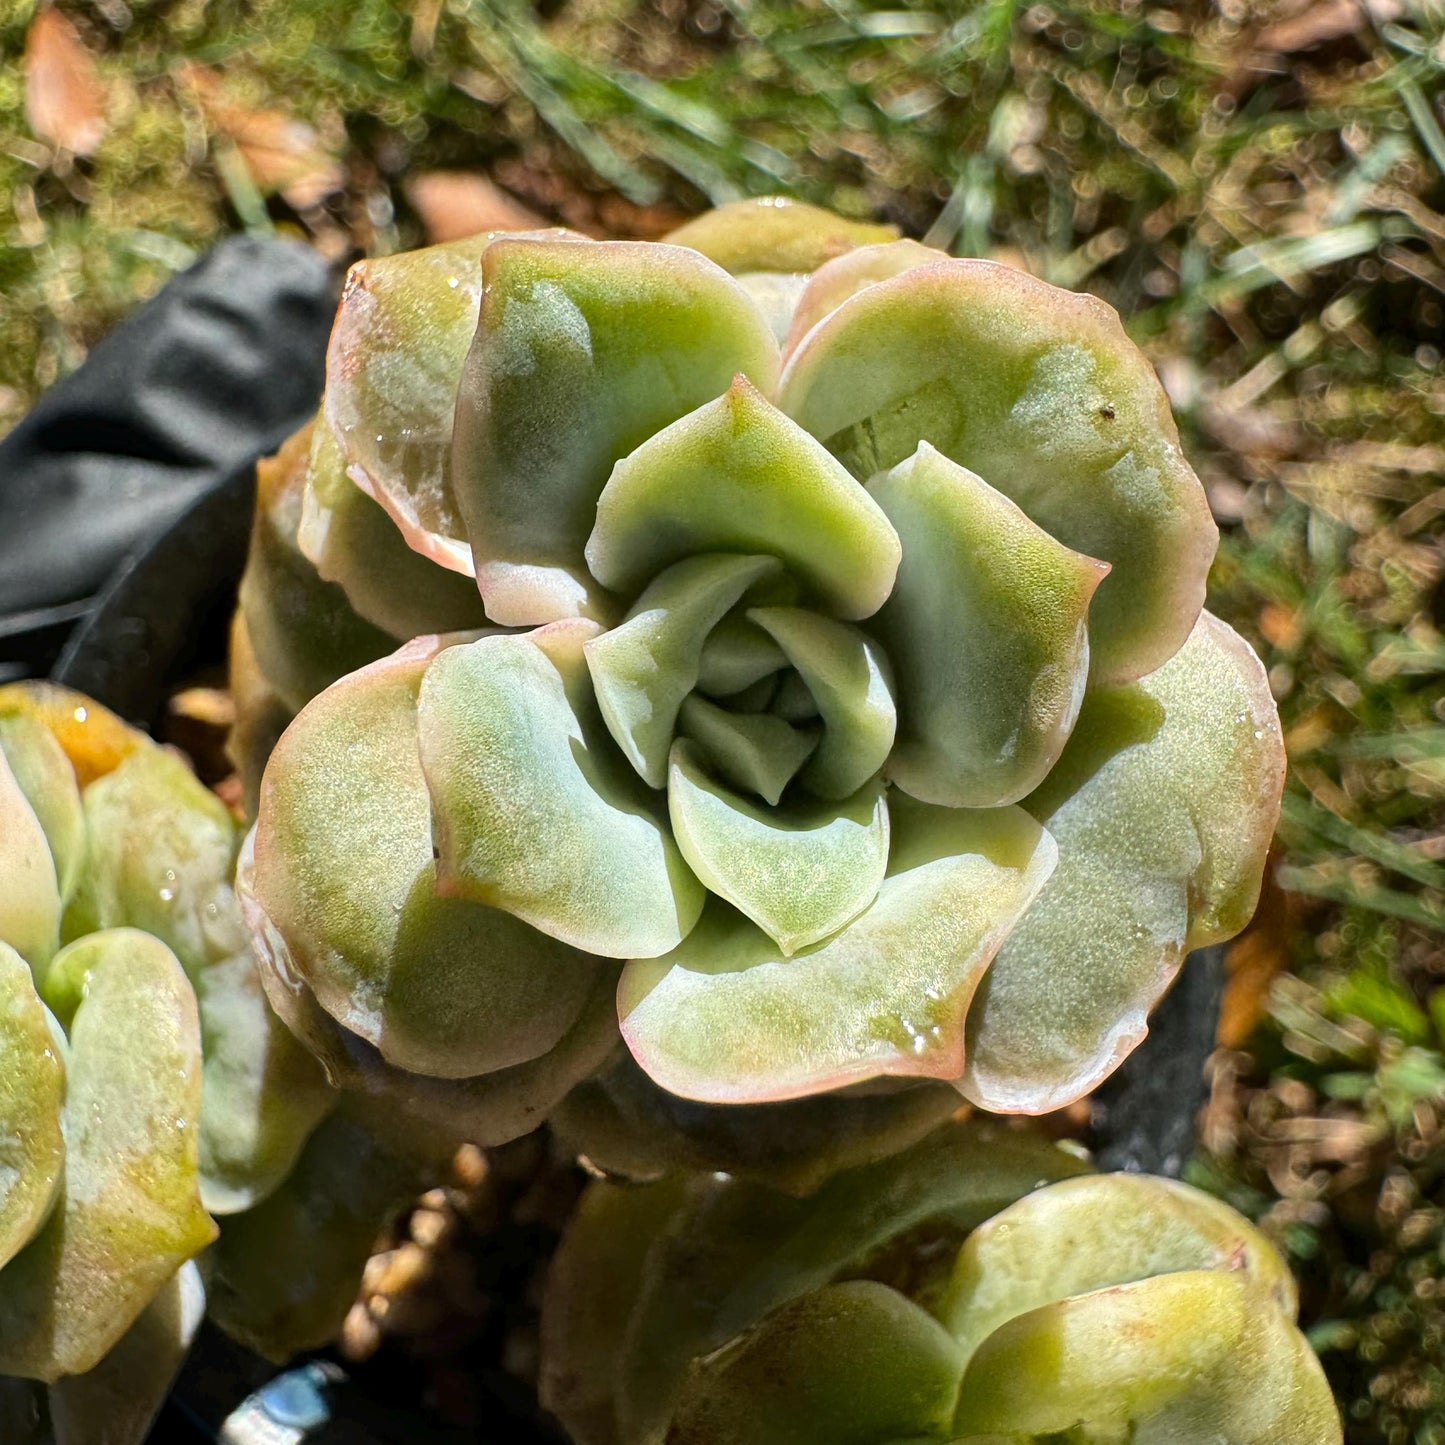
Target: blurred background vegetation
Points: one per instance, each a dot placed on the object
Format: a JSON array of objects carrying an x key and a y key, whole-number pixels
[{"x": 1257, "y": 185}]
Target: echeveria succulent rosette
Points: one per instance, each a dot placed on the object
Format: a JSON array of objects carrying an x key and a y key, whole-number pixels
[
  {"x": 847, "y": 687},
  {"x": 976, "y": 1288}
]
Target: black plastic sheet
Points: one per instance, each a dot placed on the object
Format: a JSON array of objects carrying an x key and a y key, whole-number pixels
[{"x": 176, "y": 402}]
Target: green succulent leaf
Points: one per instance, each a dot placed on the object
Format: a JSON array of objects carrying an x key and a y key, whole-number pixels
[
  {"x": 629, "y": 1128},
  {"x": 534, "y": 811},
  {"x": 32, "y": 1092},
  {"x": 593, "y": 1283},
  {"x": 346, "y": 887},
  {"x": 644, "y": 668},
  {"x": 392, "y": 369},
  {"x": 284, "y": 1274},
  {"x": 421, "y": 1116},
  {"x": 304, "y": 633},
  {"x": 737, "y": 476},
  {"x": 987, "y": 634},
  {"x": 727, "y": 1254},
  {"x": 116, "y": 1402},
  {"x": 262, "y": 1092},
  {"x": 794, "y": 699},
  {"x": 1188, "y": 1358},
  {"x": 261, "y": 715},
  {"x": 754, "y": 751},
  {"x": 775, "y": 294},
  {"x": 851, "y": 1364},
  {"x": 46, "y": 778},
  {"x": 1163, "y": 805},
  {"x": 800, "y": 873},
  {"x": 130, "y": 1213},
  {"x": 162, "y": 849},
  {"x": 850, "y": 682},
  {"x": 584, "y": 349},
  {"x": 737, "y": 655},
  {"x": 1165, "y": 1227},
  {"x": 351, "y": 541},
  {"x": 30, "y": 899},
  {"x": 727, "y": 1018},
  {"x": 1040, "y": 392},
  {"x": 844, "y": 276},
  {"x": 775, "y": 233}
]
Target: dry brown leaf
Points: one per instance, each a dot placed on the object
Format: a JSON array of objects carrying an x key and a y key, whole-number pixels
[
  {"x": 1254, "y": 959},
  {"x": 456, "y": 204},
  {"x": 285, "y": 156},
  {"x": 64, "y": 102}
]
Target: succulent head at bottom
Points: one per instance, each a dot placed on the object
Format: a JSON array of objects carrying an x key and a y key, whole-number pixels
[{"x": 979, "y": 1288}]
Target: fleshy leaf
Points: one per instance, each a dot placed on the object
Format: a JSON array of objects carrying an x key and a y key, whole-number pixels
[
  {"x": 162, "y": 848},
  {"x": 737, "y": 476},
  {"x": 725, "y": 1018},
  {"x": 262, "y": 1093},
  {"x": 584, "y": 349},
  {"x": 44, "y": 774},
  {"x": 629, "y": 1128},
  {"x": 775, "y": 233},
  {"x": 844, "y": 276},
  {"x": 392, "y": 369},
  {"x": 850, "y": 1364},
  {"x": 644, "y": 668},
  {"x": 987, "y": 634},
  {"x": 304, "y": 632},
  {"x": 799, "y": 873},
  {"x": 284, "y": 1274},
  {"x": 130, "y": 1214},
  {"x": 93, "y": 738},
  {"x": 794, "y": 699},
  {"x": 32, "y": 1091},
  {"x": 419, "y": 1115},
  {"x": 593, "y": 1283},
  {"x": 753, "y": 751},
  {"x": 1191, "y": 1358},
  {"x": 1164, "y": 1227},
  {"x": 344, "y": 875},
  {"x": 734, "y": 1252},
  {"x": 350, "y": 540},
  {"x": 261, "y": 715},
  {"x": 1041, "y": 393},
  {"x": 1163, "y": 805},
  {"x": 534, "y": 810},
  {"x": 850, "y": 681},
  {"x": 775, "y": 294},
  {"x": 30, "y": 899},
  {"x": 737, "y": 654},
  {"x": 116, "y": 1402}
]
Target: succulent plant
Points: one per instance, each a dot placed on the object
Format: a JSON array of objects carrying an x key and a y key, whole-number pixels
[
  {"x": 978, "y": 1288},
  {"x": 147, "y": 1084},
  {"x": 846, "y": 680}
]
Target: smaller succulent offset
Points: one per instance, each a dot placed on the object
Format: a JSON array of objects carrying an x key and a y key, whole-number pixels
[
  {"x": 976, "y": 1289},
  {"x": 865, "y": 722}
]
